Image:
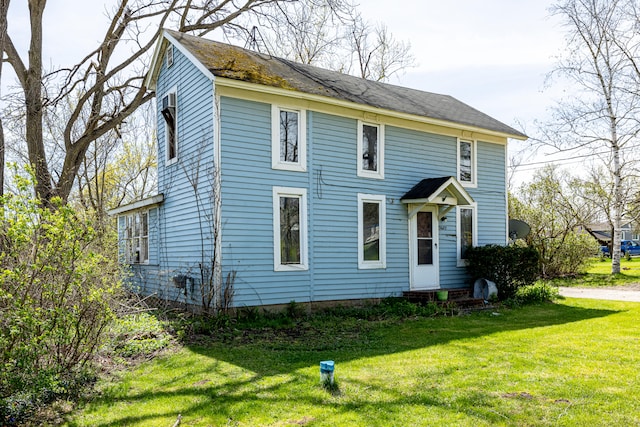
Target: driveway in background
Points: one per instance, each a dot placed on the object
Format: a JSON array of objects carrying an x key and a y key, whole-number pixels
[{"x": 627, "y": 293}]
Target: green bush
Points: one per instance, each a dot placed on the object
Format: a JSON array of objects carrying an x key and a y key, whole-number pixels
[
  {"x": 509, "y": 267},
  {"x": 135, "y": 335},
  {"x": 537, "y": 293},
  {"x": 57, "y": 285},
  {"x": 568, "y": 256}
]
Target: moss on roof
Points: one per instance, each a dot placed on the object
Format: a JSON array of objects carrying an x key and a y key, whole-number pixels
[{"x": 236, "y": 63}]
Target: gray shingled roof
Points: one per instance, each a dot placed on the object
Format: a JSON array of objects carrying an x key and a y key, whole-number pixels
[
  {"x": 425, "y": 188},
  {"x": 233, "y": 62}
]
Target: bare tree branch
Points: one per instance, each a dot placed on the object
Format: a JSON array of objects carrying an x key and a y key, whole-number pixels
[{"x": 602, "y": 44}]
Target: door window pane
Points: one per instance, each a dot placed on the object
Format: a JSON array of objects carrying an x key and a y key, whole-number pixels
[
  {"x": 424, "y": 224},
  {"x": 425, "y": 228},
  {"x": 425, "y": 252}
]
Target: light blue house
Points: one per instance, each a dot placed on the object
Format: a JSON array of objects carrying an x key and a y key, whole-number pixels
[{"x": 284, "y": 182}]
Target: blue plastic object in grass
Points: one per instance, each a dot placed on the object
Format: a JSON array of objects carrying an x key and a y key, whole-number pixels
[{"x": 326, "y": 371}]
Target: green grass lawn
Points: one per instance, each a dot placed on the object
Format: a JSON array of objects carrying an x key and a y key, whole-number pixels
[
  {"x": 599, "y": 274},
  {"x": 573, "y": 363}
]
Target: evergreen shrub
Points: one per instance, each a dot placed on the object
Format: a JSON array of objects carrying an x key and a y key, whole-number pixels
[{"x": 509, "y": 267}]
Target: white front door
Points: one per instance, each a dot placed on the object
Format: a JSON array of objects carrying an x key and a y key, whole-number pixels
[{"x": 423, "y": 249}]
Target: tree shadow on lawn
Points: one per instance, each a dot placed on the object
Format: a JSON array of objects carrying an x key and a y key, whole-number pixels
[
  {"x": 272, "y": 360},
  {"x": 283, "y": 351},
  {"x": 228, "y": 403}
]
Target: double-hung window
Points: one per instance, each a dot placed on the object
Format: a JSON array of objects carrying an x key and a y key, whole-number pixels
[
  {"x": 371, "y": 231},
  {"x": 170, "y": 115},
  {"x": 467, "y": 174},
  {"x": 290, "y": 229},
  {"x": 288, "y": 147},
  {"x": 467, "y": 231},
  {"x": 370, "y": 150},
  {"x": 136, "y": 236}
]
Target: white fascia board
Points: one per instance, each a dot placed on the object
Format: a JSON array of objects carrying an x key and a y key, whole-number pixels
[
  {"x": 144, "y": 203},
  {"x": 463, "y": 198},
  {"x": 156, "y": 61},
  {"x": 271, "y": 90}
]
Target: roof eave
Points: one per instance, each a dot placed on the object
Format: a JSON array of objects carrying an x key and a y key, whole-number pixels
[
  {"x": 156, "y": 63},
  {"x": 144, "y": 203},
  {"x": 451, "y": 185},
  {"x": 271, "y": 90},
  {"x": 158, "y": 55}
]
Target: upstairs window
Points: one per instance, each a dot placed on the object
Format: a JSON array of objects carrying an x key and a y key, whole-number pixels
[
  {"x": 169, "y": 114},
  {"x": 467, "y": 162},
  {"x": 288, "y": 148},
  {"x": 169, "y": 55},
  {"x": 370, "y": 150},
  {"x": 136, "y": 235}
]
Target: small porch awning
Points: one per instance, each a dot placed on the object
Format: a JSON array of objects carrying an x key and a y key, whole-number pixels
[
  {"x": 445, "y": 191},
  {"x": 144, "y": 203}
]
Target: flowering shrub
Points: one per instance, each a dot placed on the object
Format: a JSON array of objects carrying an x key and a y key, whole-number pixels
[{"x": 57, "y": 287}]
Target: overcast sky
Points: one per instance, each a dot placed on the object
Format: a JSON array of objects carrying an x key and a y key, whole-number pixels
[{"x": 491, "y": 54}]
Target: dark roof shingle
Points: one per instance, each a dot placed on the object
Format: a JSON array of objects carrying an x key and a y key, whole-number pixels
[
  {"x": 233, "y": 62},
  {"x": 425, "y": 188}
]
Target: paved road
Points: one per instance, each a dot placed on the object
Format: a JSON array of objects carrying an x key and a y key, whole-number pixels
[{"x": 602, "y": 293}]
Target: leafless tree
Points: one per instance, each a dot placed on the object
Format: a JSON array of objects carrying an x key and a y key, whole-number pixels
[
  {"x": 135, "y": 161},
  {"x": 119, "y": 167},
  {"x": 4, "y": 7},
  {"x": 309, "y": 33},
  {"x": 555, "y": 210},
  {"x": 601, "y": 114},
  {"x": 377, "y": 55},
  {"x": 108, "y": 81},
  {"x": 336, "y": 38}
]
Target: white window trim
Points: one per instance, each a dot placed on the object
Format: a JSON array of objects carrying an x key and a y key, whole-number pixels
[
  {"x": 129, "y": 219},
  {"x": 379, "y": 174},
  {"x": 276, "y": 163},
  {"x": 304, "y": 248},
  {"x": 169, "y": 55},
  {"x": 474, "y": 163},
  {"x": 474, "y": 218},
  {"x": 382, "y": 262},
  {"x": 168, "y": 161}
]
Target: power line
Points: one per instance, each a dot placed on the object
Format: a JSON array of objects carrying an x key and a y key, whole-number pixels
[{"x": 569, "y": 160}]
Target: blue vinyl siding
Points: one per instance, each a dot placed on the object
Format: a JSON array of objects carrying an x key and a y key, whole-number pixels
[
  {"x": 182, "y": 237},
  {"x": 247, "y": 206},
  {"x": 180, "y": 232},
  {"x": 491, "y": 194},
  {"x": 490, "y": 198},
  {"x": 332, "y": 184}
]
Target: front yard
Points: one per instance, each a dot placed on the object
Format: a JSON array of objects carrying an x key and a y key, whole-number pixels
[
  {"x": 575, "y": 362},
  {"x": 599, "y": 274}
]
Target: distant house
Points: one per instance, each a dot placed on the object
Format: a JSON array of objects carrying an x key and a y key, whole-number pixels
[
  {"x": 602, "y": 232},
  {"x": 287, "y": 182}
]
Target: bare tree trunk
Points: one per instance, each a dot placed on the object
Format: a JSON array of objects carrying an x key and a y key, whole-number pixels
[
  {"x": 618, "y": 201},
  {"x": 601, "y": 61},
  {"x": 102, "y": 89},
  {"x": 4, "y": 7},
  {"x": 33, "y": 100}
]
